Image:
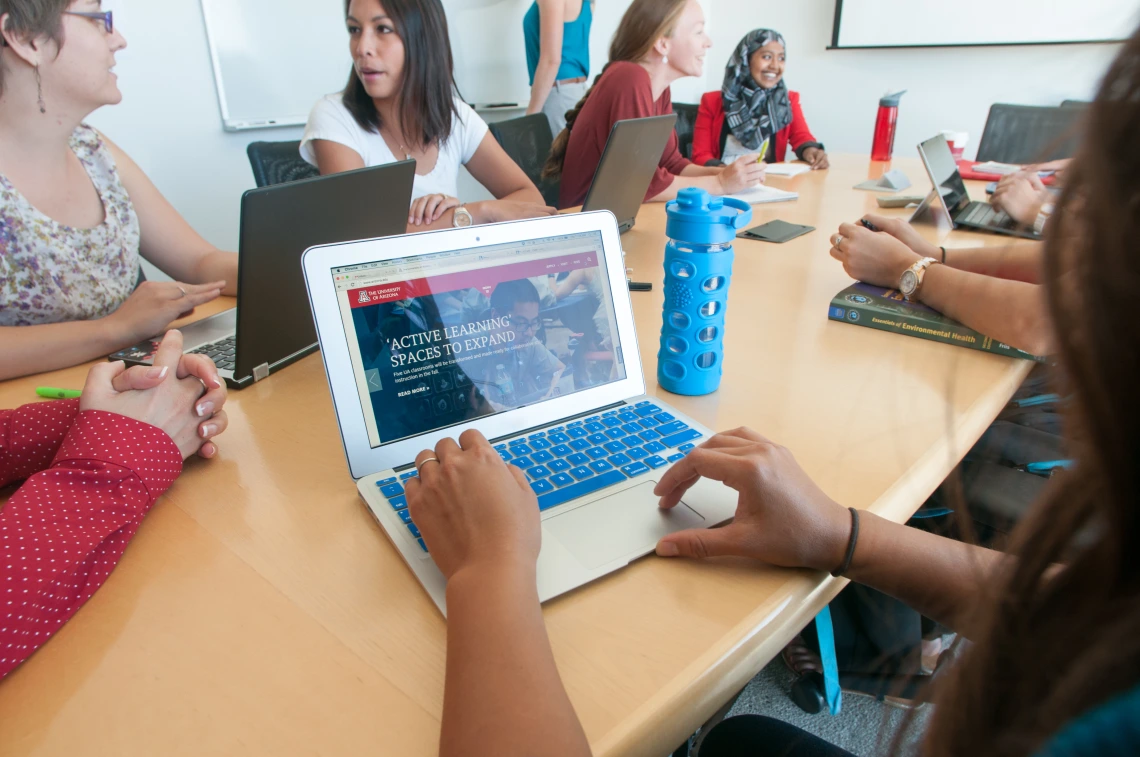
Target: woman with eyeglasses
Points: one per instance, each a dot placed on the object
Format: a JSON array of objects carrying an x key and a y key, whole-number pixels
[{"x": 75, "y": 211}]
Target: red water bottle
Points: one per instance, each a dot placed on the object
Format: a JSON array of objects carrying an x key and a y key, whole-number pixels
[{"x": 884, "y": 144}]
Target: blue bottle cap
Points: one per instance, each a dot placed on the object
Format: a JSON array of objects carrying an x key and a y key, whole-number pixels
[{"x": 698, "y": 217}]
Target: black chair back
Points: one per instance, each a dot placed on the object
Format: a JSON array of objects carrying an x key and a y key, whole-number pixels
[
  {"x": 278, "y": 162},
  {"x": 527, "y": 140},
  {"x": 1030, "y": 133},
  {"x": 686, "y": 122}
]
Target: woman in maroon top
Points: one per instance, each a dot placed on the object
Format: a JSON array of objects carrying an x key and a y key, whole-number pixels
[
  {"x": 754, "y": 105},
  {"x": 657, "y": 42}
]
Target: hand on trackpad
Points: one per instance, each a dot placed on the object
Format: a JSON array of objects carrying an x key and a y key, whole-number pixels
[{"x": 623, "y": 525}]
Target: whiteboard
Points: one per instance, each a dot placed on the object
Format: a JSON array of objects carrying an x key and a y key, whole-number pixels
[
  {"x": 273, "y": 59},
  {"x": 914, "y": 23}
]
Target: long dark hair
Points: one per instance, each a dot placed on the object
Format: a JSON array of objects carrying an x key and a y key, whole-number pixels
[
  {"x": 644, "y": 22},
  {"x": 428, "y": 90},
  {"x": 1057, "y": 641}
]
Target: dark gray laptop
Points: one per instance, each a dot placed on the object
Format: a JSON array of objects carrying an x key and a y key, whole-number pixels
[
  {"x": 272, "y": 325},
  {"x": 950, "y": 198},
  {"x": 633, "y": 152}
]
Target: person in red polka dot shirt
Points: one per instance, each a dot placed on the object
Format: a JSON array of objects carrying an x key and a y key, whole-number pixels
[{"x": 93, "y": 467}]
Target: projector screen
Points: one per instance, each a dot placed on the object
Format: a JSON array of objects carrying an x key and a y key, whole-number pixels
[{"x": 917, "y": 23}]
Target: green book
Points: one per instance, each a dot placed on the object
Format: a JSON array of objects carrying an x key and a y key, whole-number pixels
[{"x": 886, "y": 309}]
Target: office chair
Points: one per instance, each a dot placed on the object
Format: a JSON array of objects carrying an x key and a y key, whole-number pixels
[
  {"x": 686, "y": 123},
  {"x": 1030, "y": 133},
  {"x": 527, "y": 140},
  {"x": 277, "y": 163}
]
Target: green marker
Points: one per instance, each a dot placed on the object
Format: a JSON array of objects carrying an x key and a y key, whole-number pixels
[{"x": 53, "y": 393}]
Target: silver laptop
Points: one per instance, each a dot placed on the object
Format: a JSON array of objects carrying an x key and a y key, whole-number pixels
[
  {"x": 426, "y": 335},
  {"x": 950, "y": 200}
]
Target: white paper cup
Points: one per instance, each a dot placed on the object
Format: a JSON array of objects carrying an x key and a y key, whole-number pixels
[{"x": 957, "y": 141}]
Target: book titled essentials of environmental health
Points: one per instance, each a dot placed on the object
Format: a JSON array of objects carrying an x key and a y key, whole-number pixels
[{"x": 887, "y": 310}]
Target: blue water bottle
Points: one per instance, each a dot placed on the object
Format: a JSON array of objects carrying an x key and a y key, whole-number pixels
[{"x": 698, "y": 270}]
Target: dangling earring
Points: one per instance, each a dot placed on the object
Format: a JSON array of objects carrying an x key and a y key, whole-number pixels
[
  {"x": 40, "y": 91},
  {"x": 665, "y": 59}
]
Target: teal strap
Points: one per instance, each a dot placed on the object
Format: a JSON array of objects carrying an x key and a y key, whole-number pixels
[
  {"x": 826, "y": 636},
  {"x": 933, "y": 512},
  {"x": 1047, "y": 466},
  {"x": 1040, "y": 399}
]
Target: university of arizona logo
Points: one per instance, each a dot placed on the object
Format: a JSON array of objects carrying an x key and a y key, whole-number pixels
[{"x": 364, "y": 296}]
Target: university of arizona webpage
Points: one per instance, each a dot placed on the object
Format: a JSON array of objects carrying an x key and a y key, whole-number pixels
[{"x": 439, "y": 339}]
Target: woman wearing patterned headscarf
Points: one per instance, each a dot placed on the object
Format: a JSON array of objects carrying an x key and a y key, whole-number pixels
[{"x": 753, "y": 105}]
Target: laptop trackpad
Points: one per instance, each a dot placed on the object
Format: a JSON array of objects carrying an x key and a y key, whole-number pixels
[{"x": 623, "y": 525}]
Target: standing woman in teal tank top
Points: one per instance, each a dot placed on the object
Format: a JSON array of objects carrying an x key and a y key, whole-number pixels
[{"x": 557, "y": 34}]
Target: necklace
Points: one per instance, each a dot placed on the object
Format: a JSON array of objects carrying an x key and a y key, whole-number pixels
[{"x": 407, "y": 155}]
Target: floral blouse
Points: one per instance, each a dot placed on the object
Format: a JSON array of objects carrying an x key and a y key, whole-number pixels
[{"x": 50, "y": 272}]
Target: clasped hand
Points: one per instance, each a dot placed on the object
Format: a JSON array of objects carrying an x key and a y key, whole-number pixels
[{"x": 180, "y": 394}]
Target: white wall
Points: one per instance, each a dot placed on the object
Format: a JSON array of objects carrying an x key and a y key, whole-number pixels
[
  {"x": 949, "y": 88},
  {"x": 169, "y": 120},
  {"x": 170, "y": 124}
]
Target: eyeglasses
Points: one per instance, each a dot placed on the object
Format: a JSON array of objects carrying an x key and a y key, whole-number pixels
[
  {"x": 104, "y": 16},
  {"x": 522, "y": 324}
]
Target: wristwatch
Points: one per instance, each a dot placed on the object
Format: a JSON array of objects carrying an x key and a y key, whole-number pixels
[
  {"x": 911, "y": 280},
  {"x": 462, "y": 218}
]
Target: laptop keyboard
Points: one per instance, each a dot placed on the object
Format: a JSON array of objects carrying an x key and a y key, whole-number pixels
[
  {"x": 566, "y": 462},
  {"x": 221, "y": 352},
  {"x": 983, "y": 214}
]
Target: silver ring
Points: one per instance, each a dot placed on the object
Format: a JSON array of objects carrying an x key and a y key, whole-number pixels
[
  {"x": 180, "y": 289},
  {"x": 838, "y": 241},
  {"x": 425, "y": 460}
]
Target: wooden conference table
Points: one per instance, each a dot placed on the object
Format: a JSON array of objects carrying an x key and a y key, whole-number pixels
[{"x": 261, "y": 611}]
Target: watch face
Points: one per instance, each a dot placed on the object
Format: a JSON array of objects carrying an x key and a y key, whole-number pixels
[
  {"x": 463, "y": 217},
  {"x": 909, "y": 282}
]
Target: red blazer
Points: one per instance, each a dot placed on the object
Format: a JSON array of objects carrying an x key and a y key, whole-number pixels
[{"x": 710, "y": 125}]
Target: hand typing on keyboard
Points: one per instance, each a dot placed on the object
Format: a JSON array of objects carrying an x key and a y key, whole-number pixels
[
  {"x": 1022, "y": 196},
  {"x": 475, "y": 512},
  {"x": 782, "y": 517}
]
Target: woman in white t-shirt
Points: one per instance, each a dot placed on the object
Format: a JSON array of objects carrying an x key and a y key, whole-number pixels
[{"x": 401, "y": 102}]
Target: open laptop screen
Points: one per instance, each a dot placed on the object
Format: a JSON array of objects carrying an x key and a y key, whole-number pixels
[
  {"x": 944, "y": 174},
  {"x": 439, "y": 339}
]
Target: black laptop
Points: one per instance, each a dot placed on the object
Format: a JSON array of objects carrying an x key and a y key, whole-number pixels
[
  {"x": 633, "y": 152},
  {"x": 272, "y": 325},
  {"x": 949, "y": 196}
]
